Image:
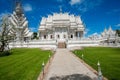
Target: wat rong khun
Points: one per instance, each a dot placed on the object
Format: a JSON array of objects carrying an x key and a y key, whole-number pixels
[{"x": 60, "y": 30}]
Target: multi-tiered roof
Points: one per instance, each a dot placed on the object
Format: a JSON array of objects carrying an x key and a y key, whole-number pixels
[
  {"x": 19, "y": 23},
  {"x": 61, "y": 20},
  {"x": 108, "y": 33}
]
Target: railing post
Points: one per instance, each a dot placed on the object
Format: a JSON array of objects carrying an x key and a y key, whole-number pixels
[
  {"x": 99, "y": 71},
  {"x": 43, "y": 67},
  {"x": 82, "y": 56},
  {"x": 49, "y": 58}
]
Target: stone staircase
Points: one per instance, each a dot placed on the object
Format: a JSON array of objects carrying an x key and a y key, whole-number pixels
[{"x": 61, "y": 45}]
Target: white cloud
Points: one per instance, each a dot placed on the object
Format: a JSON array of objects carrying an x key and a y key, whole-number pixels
[
  {"x": 27, "y": 7},
  {"x": 95, "y": 35},
  {"x": 33, "y": 29},
  {"x": 3, "y": 14},
  {"x": 118, "y": 25},
  {"x": 59, "y": 0},
  {"x": 85, "y": 5},
  {"x": 83, "y": 9},
  {"x": 73, "y": 2},
  {"x": 86, "y": 31},
  {"x": 114, "y": 11}
]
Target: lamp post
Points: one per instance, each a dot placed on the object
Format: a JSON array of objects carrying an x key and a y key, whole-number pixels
[
  {"x": 99, "y": 71},
  {"x": 43, "y": 67},
  {"x": 82, "y": 56},
  {"x": 49, "y": 58},
  {"x": 49, "y": 55}
]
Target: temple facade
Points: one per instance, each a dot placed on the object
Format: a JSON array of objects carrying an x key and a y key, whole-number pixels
[
  {"x": 19, "y": 24},
  {"x": 108, "y": 33},
  {"x": 61, "y": 27},
  {"x": 109, "y": 37}
]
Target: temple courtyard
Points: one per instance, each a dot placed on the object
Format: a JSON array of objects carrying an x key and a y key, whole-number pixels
[
  {"x": 58, "y": 52},
  {"x": 26, "y": 64}
]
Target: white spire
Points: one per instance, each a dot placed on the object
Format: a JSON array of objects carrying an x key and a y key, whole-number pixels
[
  {"x": 60, "y": 9},
  {"x": 105, "y": 29},
  {"x": 110, "y": 28}
]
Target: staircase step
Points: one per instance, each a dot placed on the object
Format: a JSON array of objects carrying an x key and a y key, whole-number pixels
[{"x": 61, "y": 45}]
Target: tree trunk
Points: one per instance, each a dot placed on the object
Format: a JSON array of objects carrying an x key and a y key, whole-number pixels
[{"x": 2, "y": 46}]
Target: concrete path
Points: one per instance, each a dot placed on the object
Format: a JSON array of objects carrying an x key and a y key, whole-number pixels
[{"x": 65, "y": 66}]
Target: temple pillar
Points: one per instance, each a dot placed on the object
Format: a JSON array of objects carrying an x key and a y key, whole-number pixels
[
  {"x": 78, "y": 34},
  {"x": 42, "y": 37},
  {"x": 39, "y": 35},
  {"x": 81, "y": 34},
  {"x": 73, "y": 35}
]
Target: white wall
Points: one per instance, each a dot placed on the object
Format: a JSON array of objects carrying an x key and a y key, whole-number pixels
[
  {"x": 35, "y": 44},
  {"x": 82, "y": 43}
]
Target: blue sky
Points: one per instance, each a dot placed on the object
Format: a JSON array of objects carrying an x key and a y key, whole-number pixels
[{"x": 96, "y": 14}]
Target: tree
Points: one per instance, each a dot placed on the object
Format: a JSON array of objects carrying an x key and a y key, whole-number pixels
[
  {"x": 118, "y": 32},
  {"x": 35, "y": 35},
  {"x": 4, "y": 33}
]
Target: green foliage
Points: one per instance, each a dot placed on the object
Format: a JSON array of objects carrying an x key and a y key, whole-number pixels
[
  {"x": 23, "y": 64},
  {"x": 108, "y": 57},
  {"x": 35, "y": 35},
  {"x": 4, "y": 33},
  {"x": 118, "y": 32},
  {"x": 5, "y": 53}
]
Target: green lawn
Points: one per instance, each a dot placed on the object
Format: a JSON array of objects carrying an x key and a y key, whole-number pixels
[
  {"x": 108, "y": 57},
  {"x": 23, "y": 64}
]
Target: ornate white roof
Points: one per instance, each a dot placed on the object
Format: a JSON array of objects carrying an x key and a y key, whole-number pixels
[
  {"x": 19, "y": 22},
  {"x": 108, "y": 32},
  {"x": 29, "y": 34},
  {"x": 61, "y": 20}
]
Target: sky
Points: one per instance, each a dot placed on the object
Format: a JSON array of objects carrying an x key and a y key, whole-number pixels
[{"x": 95, "y": 14}]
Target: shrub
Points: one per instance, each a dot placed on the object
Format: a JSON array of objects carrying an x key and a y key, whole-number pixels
[{"x": 5, "y": 53}]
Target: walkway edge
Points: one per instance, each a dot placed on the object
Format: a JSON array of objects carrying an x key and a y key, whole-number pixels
[
  {"x": 88, "y": 66},
  {"x": 44, "y": 72}
]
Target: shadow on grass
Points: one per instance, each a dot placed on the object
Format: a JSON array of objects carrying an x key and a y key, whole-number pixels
[
  {"x": 72, "y": 77},
  {"x": 5, "y": 53}
]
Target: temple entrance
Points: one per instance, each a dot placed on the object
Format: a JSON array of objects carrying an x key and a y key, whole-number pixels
[{"x": 61, "y": 45}]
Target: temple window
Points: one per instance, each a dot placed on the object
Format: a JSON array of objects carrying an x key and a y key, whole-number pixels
[
  {"x": 44, "y": 36},
  {"x": 58, "y": 36},
  {"x": 64, "y": 36},
  {"x": 71, "y": 36},
  {"x": 76, "y": 34},
  {"x": 51, "y": 36}
]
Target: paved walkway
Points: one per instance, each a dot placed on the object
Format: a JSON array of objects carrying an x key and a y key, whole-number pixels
[{"x": 65, "y": 65}]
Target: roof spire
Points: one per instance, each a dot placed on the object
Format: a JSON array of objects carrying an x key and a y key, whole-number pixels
[
  {"x": 105, "y": 29},
  {"x": 110, "y": 27},
  {"x": 18, "y": 8},
  {"x": 60, "y": 9}
]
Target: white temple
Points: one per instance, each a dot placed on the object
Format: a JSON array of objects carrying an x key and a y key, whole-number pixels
[
  {"x": 19, "y": 24},
  {"x": 108, "y": 33},
  {"x": 61, "y": 27},
  {"x": 109, "y": 36},
  {"x": 59, "y": 30}
]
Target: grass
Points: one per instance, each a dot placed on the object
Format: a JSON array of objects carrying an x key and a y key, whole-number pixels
[
  {"x": 23, "y": 64},
  {"x": 108, "y": 57}
]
